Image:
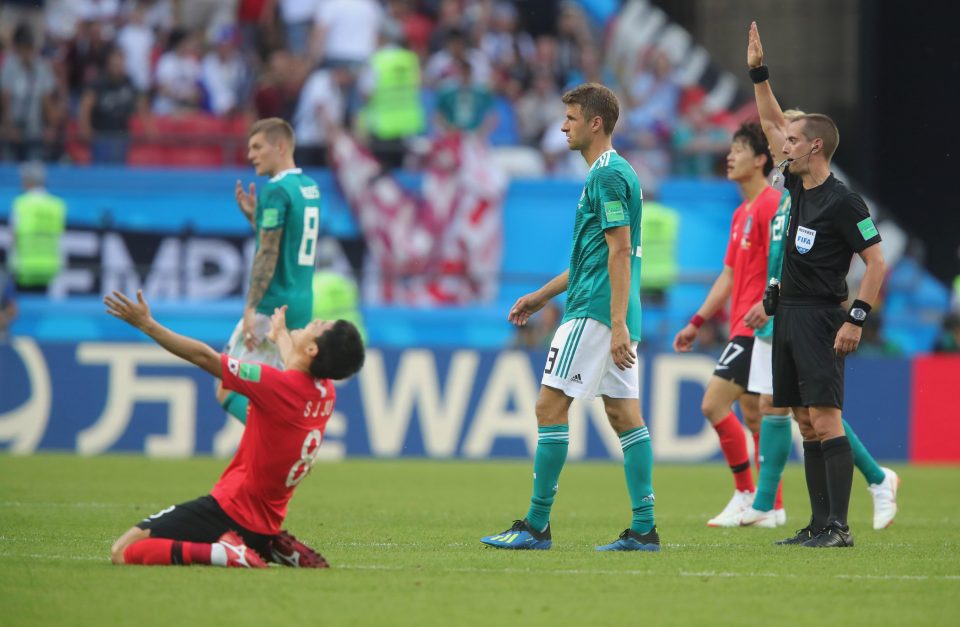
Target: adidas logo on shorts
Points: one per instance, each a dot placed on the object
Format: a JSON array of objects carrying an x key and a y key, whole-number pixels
[{"x": 576, "y": 378}]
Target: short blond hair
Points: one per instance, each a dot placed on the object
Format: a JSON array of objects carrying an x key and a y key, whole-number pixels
[{"x": 274, "y": 129}]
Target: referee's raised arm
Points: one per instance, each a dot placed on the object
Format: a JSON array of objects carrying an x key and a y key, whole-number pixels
[{"x": 771, "y": 116}]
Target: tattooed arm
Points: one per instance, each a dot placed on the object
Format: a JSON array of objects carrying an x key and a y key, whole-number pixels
[{"x": 264, "y": 264}]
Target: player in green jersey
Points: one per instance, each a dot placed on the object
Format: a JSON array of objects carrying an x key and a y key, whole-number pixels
[
  {"x": 594, "y": 350},
  {"x": 285, "y": 217}
]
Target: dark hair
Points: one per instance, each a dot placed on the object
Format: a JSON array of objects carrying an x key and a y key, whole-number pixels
[
  {"x": 819, "y": 125},
  {"x": 23, "y": 36},
  {"x": 595, "y": 100},
  {"x": 751, "y": 133},
  {"x": 340, "y": 352}
]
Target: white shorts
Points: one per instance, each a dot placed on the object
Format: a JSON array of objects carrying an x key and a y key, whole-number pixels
[
  {"x": 265, "y": 352},
  {"x": 579, "y": 363},
  {"x": 761, "y": 367}
]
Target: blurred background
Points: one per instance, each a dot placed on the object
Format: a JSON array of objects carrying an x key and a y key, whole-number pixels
[{"x": 433, "y": 129}]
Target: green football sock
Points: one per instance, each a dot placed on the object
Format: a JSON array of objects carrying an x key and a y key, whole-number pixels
[
  {"x": 775, "y": 437},
  {"x": 862, "y": 458},
  {"x": 552, "y": 444},
  {"x": 638, "y": 469},
  {"x": 236, "y": 406}
]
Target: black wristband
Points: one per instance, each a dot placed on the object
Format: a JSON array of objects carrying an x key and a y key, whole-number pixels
[
  {"x": 759, "y": 74},
  {"x": 858, "y": 312}
]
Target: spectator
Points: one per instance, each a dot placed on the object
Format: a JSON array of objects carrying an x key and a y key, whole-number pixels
[
  {"x": 321, "y": 103},
  {"x": 29, "y": 13},
  {"x": 546, "y": 60},
  {"x": 8, "y": 305},
  {"x": 442, "y": 65},
  {"x": 211, "y": 15},
  {"x": 465, "y": 105},
  {"x": 504, "y": 44},
  {"x": 37, "y": 220},
  {"x": 573, "y": 35},
  {"x": 224, "y": 77},
  {"x": 698, "y": 143},
  {"x": 102, "y": 11},
  {"x": 136, "y": 39},
  {"x": 32, "y": 113},
  {"x": 416, "y": 28},
  {"x": 297, "y": 17},
  {"x": 651, "y": 101},
  {"x": 85, "y": 54},
  {"x": 538, "y": 108},
  {"x": 106, "y": 108},
  {"x": 256, "y": 20},
  {"x": 394, "y": 111},
  {"x": 345, "y": 32},
  {"x": 278, "y": 87},
  {"x": 449, "y": 20},
  {"x": 177, "y": 80}
]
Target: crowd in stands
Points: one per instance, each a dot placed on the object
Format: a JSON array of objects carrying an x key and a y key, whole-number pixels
[{"x": 175, "y": 82}]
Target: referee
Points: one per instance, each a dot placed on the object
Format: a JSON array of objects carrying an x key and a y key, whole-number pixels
[{"x": 812, "y": 334}]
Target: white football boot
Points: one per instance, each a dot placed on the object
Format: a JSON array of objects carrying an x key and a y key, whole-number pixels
[
  {"x": 755, "y": 518},
  {"x": 730, "y": 516},
  {"x": 884, "y": 499}
]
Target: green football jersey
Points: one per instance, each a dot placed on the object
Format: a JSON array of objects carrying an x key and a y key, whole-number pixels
[
  {"x": 778, "y": 229},
  {"x": 291, "y": 201},
  {"x": 611, "y": 197}
]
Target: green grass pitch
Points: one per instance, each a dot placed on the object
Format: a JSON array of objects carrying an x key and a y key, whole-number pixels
[{"x": 402, "y": 539}]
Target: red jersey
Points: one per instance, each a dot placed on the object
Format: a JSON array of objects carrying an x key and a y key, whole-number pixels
[
  {"x": 747, "y": 254},
  {"x": 287, "y": 416}
]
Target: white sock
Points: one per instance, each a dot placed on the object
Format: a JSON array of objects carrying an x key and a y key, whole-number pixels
[{"x": 218, "y": 555}]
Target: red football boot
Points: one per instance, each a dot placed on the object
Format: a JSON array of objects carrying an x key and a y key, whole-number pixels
[
  {"x": 287, "y": 550},
  {"x": 239, "y": 555}
]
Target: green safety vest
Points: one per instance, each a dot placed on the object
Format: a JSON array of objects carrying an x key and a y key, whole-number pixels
[
  {"x": 659, "y": 227},
  {"x": 394, "y": 110},
  {"x": 38, "y": 222},
  {"x": 335, "y": 297}
]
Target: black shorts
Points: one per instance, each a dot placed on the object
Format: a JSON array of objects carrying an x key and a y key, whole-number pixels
[
  {"x": 806, "y": 370},
  {"x": 734, "y": 362},
  {"x": 201, "y": 520}
]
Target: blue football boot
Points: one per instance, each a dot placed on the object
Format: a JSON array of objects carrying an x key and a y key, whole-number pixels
[
  {"x": 520, "y": 536},
  {"x": 630, "y": 540}
]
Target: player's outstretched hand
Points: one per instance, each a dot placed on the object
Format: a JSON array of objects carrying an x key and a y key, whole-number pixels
[
  {"x": 246, "y": 201},
  {"x": 136, "y": 314},
  {"x": 620, "y": 347},
  {"x": 526, "y": 306},
  {"x": 756, "y": 317},
  {"x": 754, "y": 48},
  {"x": 278, "y": 323},
  {"x": 848, "y": 339},
  {"x": 683, "y": 341}
]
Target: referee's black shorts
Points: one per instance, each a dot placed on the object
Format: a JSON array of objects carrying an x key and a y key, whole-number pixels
[{"x": 806, "y": 370}]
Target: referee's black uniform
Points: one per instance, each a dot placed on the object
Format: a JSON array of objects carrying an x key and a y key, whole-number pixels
[{"x": 828, "y": 225}]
